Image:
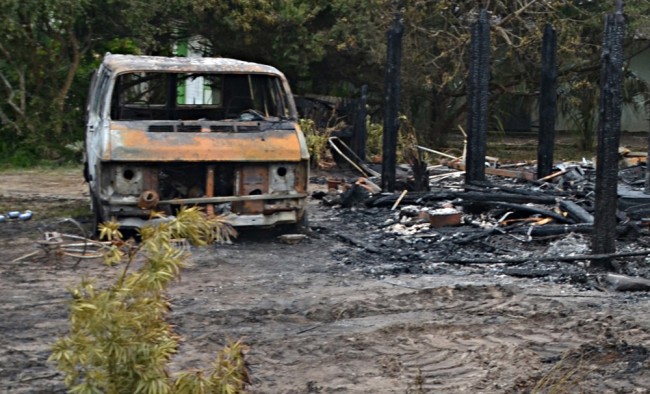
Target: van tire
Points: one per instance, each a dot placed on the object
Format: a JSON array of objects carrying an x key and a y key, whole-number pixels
[{"x": 300, "y": 227}]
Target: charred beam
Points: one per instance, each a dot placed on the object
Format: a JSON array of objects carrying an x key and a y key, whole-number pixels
[
  {"x": 547, "y": 103},
  {"x": 576, "y": 212},
  {"x": 627, "y": 283},
  {"x": 420, "y": 198},
  {"x": 515, "y": 261},
  {"x": 360, "y": 131},
  {"x": 522, "y": 208},
  {"x": 391, "y": 102},
  {"x": 609, "y": 129},
  {"x": 477, "y": 92}
]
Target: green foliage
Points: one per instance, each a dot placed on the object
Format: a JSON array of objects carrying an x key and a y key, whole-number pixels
[
  {"x": 406, "y": 138},
  {"x": 374, "y": 142},
  {"x": 47, "y": 54},
  {"x": 578, "y": 104},
  {"x": 50, "y": 47},
  {"x": 317, "y": 141},
  {"x": 119, "y": 339},
  {"x": 436, "y": 45},
  {"x": 228, "y": 374},
  {"x": 579, "y": 100}
]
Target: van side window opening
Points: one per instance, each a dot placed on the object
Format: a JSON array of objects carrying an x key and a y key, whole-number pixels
[
  {"x": 195, "y": 96},
  {"x": 98, "y": 102}
]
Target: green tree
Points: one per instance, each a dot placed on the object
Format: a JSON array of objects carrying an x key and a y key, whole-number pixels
[
  {"x": 47, "y": 54},
  {"x": 50, "y": 47},
  {"x": 438, "y": 38},
  {"x": 282, "y": 33},
  {"x": 40, "y": 55}
]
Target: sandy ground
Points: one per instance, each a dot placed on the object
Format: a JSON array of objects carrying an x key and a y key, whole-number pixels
[{"x": 316, "y": 323}]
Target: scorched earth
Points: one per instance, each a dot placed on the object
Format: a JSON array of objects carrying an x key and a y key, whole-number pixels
[{"x": 353, "y": 308}]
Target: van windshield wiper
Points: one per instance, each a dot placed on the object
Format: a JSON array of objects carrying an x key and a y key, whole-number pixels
[{"x": 251, "y": 115}]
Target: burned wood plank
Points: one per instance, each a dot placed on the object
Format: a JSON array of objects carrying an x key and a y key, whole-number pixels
[
  {"x": 489, "y": 187},
  {"x": 638, "y": 212},
  {"x": 576, "y": 212},
  {"x": 627, "y": 283},
  {"x": 507, "y": 198},
  {"x": 357, "y": 243},
  {"x": 484, "y": 233},
  {"x": 466, "y": 235},
  {"x": 420, "y": 198},
  {"x": 525, "y": 175},
  {"x": 553, "y": 175},
  {"x": 522, "y": 260},
  {"x": 556, "y": 229},
  {"x": 387, "y": 200},
  {"x": 528, "y": 208}
]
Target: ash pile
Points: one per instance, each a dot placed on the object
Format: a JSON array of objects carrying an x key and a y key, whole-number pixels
[{"x": 512, "y": 224}]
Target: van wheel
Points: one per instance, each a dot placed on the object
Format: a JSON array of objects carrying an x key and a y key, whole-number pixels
[{"x": 300, "y": 227}]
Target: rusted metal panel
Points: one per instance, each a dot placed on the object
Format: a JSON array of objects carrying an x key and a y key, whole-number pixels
[
  {"x": 304, "y": 152},
  {"x": 252, "y": 180},
  {"x": 301, "y": 177},
  {"x": 209, "y": 188},
  {"x": 217, "y": 200},
  {"x": 141, "y": 146}
]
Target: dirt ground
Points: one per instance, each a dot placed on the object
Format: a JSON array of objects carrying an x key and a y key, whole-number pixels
[{"x": 332, "y": 316}]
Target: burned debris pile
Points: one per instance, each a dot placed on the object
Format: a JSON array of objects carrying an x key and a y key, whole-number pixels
[{"x": 512, "y": 224}]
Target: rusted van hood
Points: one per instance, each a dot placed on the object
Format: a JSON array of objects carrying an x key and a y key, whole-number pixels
[{"x": 137, "y": 145}]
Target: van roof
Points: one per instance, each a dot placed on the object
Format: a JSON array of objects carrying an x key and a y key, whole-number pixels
[{"x": 125, "y": 63}]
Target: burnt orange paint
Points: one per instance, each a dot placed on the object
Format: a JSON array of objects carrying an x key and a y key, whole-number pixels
[
  {"x": 252, "y": 180},
  {"x": 209, "y": 188},
  {"x": 137, "y": 145}
]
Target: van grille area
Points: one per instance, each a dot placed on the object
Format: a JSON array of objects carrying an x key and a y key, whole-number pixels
[
  {"x": 168, "y": 128},
  {"x": 188, "y": 128},
  {"x": 235, "y": 128},
  {"x": 189, "y": 181},
  {"x": 220, "y": 127},
  {"x": 161, "y": 128}
]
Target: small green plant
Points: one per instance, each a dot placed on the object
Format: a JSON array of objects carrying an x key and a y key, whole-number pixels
[
  {"x": 316, "y": 141},
  {"x": 119, "y": 339},
  {"x": 374, "y": 142},
  {"x": 77, "y": 149},
  {"x": 579, "y": 105}
]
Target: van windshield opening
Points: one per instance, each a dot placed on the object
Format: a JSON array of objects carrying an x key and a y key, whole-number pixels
[{"x": 164, "y": 96}]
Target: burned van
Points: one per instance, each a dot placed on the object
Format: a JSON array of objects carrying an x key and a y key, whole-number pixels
[{"x": 169, "y": 132}]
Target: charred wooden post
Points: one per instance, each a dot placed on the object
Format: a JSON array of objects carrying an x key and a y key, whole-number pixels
[
  {"x": 609, "y": 130},
  {"x": 360, "y": 132},
  {"x": 547, "y": 103},
  {"x": 647, "y": 165},
  {"x": 477, "y": 116},
  {"x": 391, "y": 102}
]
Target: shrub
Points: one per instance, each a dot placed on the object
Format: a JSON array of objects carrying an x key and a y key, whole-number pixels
[
  {"x": 317, "y": 144},
  {"x": 119, "y": 339}
]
